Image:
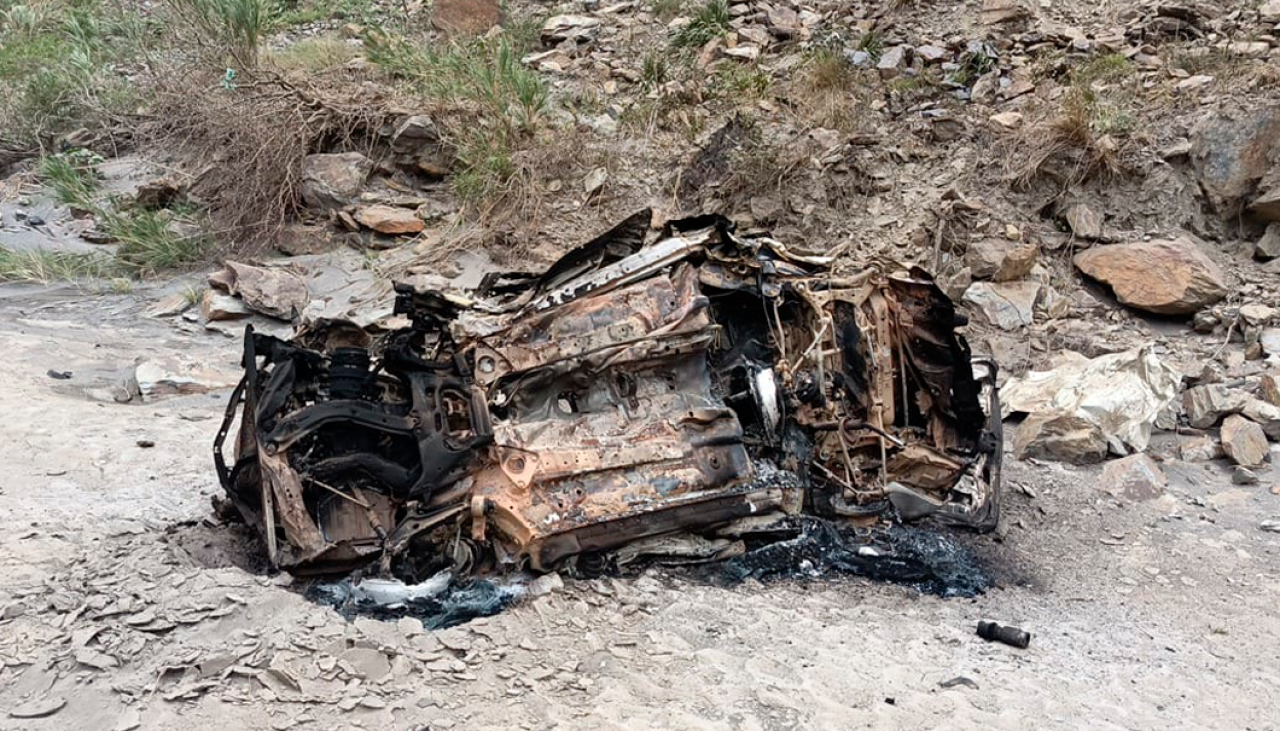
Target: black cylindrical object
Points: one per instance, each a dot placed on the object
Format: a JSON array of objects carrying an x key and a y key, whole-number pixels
[
  {"x": 993, "y": 632},
  {"x": 348, "y": 372}
]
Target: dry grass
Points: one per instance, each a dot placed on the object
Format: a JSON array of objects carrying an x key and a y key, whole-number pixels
[
  {"x": 246, "y": 143},
  {"x": 826, "y": 92},
  {"x": 1092, "y": 134}
]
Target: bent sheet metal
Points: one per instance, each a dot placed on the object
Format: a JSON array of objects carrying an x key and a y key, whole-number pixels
[{"x": 686, "y": 385}]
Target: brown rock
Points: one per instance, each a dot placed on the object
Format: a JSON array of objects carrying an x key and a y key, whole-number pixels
[
  {"x": 300, "y": 240},
  {"x": 1164, "y": 276},
  {"x": 1000, "y": 260},
  {"x": 1244, "y": 441},
  {"x": 1267, "y": 205},
  {"x": 157, "y": 193},
  {"x": 217, "y": 306},
  {"x": 390, "y": 220},
  {"x": 1003, "y": 11},
  {"x": 466, "y": 17},
  {"x": 1060, "y": 437},
  {"x": 333, "y": 180},
  {"x": 1269, "y": 389},
  {"x": 413, "y": 133},
  {"x": 1135, "y": 477}
]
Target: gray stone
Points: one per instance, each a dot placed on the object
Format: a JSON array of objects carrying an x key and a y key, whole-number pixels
[
  {"x": 333, "y": 180},
  {"x": 1242, "y": 475},
  {"x": 1268, "y": 247},
  {"x": 1135, "y": 477},
  {"x": 1085, "y": 222},
  {"x": 1006, "y": 305},
  {"x": 1232, "y": 151},
  {"x": 1060, "y": 437}
]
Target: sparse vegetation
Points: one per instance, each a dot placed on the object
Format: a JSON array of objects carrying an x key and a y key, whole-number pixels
[
  {"x": 70, "y": 176},
  {"x": 315, "y": 55},
  {"x": 707, "y": 22},
  {"x": 39, "y": 265},
  {"x": 231, "y": 29},
  {"x": 665, "y": 10}
]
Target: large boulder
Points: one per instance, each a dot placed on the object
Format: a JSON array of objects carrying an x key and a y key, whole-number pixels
[
  {"x": 1232, "y": 152},
  {"x": 1207, "y": 405},
  {"x": 333, "y": 180},
  {"x": 1164, "y": 276}
]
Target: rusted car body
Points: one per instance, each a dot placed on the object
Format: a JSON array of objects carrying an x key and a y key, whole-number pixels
[{"x": 648, "y": 384}]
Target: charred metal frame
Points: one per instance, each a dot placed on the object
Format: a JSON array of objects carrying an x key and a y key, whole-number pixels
[{"x": 630, "y": 391}]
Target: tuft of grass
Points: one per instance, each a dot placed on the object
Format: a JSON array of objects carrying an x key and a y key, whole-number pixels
[
  {"x": 148, "y": 242},
  {"x": 486, "y": 79},
  {"x": 234, "y": 28},
  {"x": 827, "y": 69},
  {"x": 737, "y": 81},
  {"x": 665, "y": 10},
  {"x": 872, "y": 44},
  {"x": 654, "y": 70},
  {"x": 708, "y": 22},
  {"x": 315, "y": 55},
  {"x": 72, "y": 178},
  {"x": 1107, "y": 68},
  {"x": 48, "y": 266}
]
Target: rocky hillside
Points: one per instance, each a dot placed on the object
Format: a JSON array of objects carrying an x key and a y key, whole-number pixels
[{"x": 1082, "y": 176}]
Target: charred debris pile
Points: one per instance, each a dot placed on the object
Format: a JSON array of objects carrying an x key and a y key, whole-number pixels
[{"x": 685, "y": 395}]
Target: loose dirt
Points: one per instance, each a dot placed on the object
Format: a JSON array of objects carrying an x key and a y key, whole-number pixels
[{"x": 125, "y": 599}]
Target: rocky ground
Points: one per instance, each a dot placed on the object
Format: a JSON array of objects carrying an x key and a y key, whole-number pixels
[{"x": 1095, "y": 183}]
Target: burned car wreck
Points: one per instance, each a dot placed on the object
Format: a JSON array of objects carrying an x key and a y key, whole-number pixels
[{"x": 689, "y": 382}]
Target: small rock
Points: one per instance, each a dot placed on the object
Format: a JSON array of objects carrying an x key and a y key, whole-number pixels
[
  {"x": 157, "y": 193},
  {"x": 272, "y": 291},
  {"x": 594, "y": 181},
  {"x": 409, "y": 626},
  {"x": 1192, "y": 83},
  {"x": 742, "y": 52},
  {"x": 390, "y": 220},
  {"x": 1270, "y": 11},
  {"x": 1269, "y": 389},
  {"x": 1007, "y": 120},
  {"x": 1244, "y": 441},
  {"x": 995, "y": 12},
  {"x": 892, "y": 61},
  {"x": 217, "y": 306},
  {"x": 333, "y": 180},
  {"x": 783, "y": 22},
  {"x": 1164, "y": 276},
  {"x": 578, "y": 29},
  {"x": 1268, "y": 247},
  {"x": 933, "y": 54},
  {"x": 466, "y": 17},
  {"x": 1000, "y": 260},
  {"x": 174, "y": 304},
  {"x": 1199, "y": 449},
  {"x": 1007, "y": 305},
  {"x": 39, "y": 708},
  {"x": 1135, "y": 477},
  {"x": 1267, "y": 205},
  {"x": 1060, "y": 437},
  {"x": 366, "y": 663},
  {"x": 1242, "y": 475},
  {"x": 1084, "y": 221},
  {"x": 414, "y": 132},
  {"x": 172, "y": 377}
]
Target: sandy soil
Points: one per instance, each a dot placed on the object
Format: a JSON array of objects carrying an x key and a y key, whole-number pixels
[{"x": 123, "y": 599}]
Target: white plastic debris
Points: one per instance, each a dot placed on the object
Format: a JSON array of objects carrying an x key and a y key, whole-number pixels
[{"x": 1121, "y": 393}]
